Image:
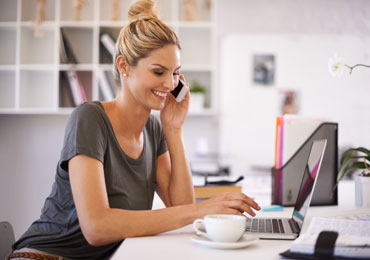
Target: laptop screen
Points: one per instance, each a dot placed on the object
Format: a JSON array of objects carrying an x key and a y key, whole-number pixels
[{"x": 309, "y": 178}]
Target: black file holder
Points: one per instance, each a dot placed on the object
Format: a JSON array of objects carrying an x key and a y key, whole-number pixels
[{"x": 287, "y": 179}]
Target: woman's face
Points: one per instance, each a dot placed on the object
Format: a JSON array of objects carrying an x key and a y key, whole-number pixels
[{"x": 154, "y": 76}]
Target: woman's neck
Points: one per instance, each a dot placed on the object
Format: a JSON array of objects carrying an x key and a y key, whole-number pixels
[{"x": 127, "y": 116}]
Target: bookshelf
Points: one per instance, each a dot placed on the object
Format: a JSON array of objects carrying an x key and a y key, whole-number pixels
[{"x": 32, "y": 78}]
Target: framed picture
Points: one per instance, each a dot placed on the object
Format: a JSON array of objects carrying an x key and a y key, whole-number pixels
[
  {"x": 289, "y": 101},
  {"x": 264, "y": 69}
]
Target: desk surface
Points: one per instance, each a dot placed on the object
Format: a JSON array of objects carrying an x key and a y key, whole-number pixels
[{"x": 177, "y": 244}]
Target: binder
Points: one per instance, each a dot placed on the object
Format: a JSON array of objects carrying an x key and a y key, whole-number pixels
[
  {"x": 287, "y": 178},
  {"x": 329, "y": 238}
]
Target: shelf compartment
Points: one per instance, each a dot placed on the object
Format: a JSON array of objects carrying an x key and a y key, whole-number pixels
[
  {"x": 204, "y": 79},
  {"x": 8, "y": 10},
  {"x": 67, "y": 12},
  {"x": 8, "y": 47},
  {"x": 196, "y": 46},
  {"x": 37, "y": 50},
  {"x": 165, "y": 8},
  {"x": 105, "y": 11},
  {"x": 29, "y": 10},
  {"x": 105, "y": 56},
  {"x": 7, "y": 89},
  {"x": 203, "y": 10},
  {"x": 80, "y": 40},
  {"x": 112, "y": 86},
  {"x": 65, "y": 93},
  {"x": 36, "y": 89}
]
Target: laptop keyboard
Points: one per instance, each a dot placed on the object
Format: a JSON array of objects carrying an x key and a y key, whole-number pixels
[{"x": 257, "y": 225}]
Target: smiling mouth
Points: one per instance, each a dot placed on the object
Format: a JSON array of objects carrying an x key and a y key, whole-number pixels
[{"x": 159, "y": 93}]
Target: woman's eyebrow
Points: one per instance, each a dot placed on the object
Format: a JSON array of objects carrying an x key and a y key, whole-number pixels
[{"x": 164, "y": 67}]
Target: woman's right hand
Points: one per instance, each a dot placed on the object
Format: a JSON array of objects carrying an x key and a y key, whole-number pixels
[{"x": 227, "y": 203}]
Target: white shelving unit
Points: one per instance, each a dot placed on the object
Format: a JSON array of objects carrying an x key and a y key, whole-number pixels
[{"x": 31, "y": 78}]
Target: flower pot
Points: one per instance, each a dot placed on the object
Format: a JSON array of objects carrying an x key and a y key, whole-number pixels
[
  {"x": 362, "y": 191},
  {"x": 196, "y": 102}
]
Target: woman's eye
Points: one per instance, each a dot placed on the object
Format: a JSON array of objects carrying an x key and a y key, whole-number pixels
[
  {"x": 175, "y": 74},
  {"x": 159, "y": 73}
]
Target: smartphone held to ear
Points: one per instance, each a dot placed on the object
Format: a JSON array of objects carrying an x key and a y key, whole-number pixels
[{"x": 180, "y": 91}]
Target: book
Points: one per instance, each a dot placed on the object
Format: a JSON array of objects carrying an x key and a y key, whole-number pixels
[
  {"x": 106, "y": 48},
  {"x": 66, "y": 53},
  {"x": 206, "y": 192},
  {"x": 67, "y": 56},
  {"x": 108, "y": 42},
  {"x": 353, "y": 240},
  {"x": 104, "y": 86}
]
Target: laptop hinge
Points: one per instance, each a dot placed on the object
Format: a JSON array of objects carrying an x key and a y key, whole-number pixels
[{"x": 294, "y": 226}]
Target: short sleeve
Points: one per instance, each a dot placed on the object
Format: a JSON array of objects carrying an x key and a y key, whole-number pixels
[
  {"x": 85, "y": 134},
  {"x": 162, "y": 147}
]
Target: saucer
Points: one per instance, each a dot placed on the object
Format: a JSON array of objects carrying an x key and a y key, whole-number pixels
[{"x": 244, "y": 241}]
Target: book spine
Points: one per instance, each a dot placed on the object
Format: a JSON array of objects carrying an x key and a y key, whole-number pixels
[
  {"x": 105, "y": 86},
  {"x": 108, "y": 43},
  {"x": 75, "y": 87}
]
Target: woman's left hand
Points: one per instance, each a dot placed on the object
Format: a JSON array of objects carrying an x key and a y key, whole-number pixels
[{"x": 174, "y": 113}]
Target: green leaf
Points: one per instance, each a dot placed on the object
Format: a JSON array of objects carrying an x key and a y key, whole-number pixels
[
  {"x": 350, "y": 151},
  {"x": 350, "y": 162},
  {"x": 355, "y": 166}
]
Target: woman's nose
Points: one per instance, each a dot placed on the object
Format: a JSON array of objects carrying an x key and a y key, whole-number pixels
[{"x": 170, "y": 83}]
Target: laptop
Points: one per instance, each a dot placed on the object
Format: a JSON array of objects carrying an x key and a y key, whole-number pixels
[{"x": 290, "y": 228}]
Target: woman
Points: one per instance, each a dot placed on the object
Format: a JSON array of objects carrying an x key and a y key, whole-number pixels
[{"x": 115, "y": 155}]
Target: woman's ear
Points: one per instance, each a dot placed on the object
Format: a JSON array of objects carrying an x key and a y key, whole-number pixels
[{"x": 122, "y": 65}]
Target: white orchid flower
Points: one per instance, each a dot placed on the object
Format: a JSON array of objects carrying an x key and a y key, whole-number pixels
[{"x": 336, "y": 65}]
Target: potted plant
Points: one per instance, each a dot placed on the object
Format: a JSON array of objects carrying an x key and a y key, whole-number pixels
[
  {"x": 197, "y": 93},
  {"x": 355, "y": 160}
]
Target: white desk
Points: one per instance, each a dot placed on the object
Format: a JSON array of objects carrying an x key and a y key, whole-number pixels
[{"x": 178, "y": 245}]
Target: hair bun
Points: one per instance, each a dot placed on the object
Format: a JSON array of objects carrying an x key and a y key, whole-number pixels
[{"x": 142, "y": 10}]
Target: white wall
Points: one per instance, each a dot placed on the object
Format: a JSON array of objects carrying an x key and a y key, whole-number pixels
[
  {"x": 302, "y": 35},
  {"x": 30, "y": 146}
]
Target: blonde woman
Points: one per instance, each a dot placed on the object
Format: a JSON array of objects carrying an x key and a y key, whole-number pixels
[{"x": 116, "y": 155}]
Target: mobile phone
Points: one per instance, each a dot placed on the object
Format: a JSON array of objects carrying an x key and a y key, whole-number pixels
[{"x": 180, "y": 91}]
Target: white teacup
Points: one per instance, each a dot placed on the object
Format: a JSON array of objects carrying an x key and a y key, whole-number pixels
[{"x": 222, "y": 228}]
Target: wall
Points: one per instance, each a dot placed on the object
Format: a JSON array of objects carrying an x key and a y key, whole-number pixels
[
  {"x": 30, "y": 147},
  {"x": 301, "y": 35}
]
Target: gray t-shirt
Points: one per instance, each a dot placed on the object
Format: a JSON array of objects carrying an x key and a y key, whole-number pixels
[{"x": 130, "y": 183}]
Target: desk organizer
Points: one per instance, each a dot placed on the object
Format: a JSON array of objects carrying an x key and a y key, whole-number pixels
[{"x": 286, "y": 180}]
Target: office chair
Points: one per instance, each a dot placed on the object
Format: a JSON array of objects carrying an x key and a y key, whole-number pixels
[{"x": 6, "y": 239}]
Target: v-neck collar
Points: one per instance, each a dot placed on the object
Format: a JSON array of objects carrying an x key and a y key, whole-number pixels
[{"x": 129, "y": 159}]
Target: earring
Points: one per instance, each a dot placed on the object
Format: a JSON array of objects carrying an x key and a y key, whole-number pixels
[{"x": 124, "y": 74}]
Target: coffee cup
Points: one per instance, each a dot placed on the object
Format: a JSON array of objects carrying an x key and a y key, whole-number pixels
[{"x": 221, "y": 228}]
